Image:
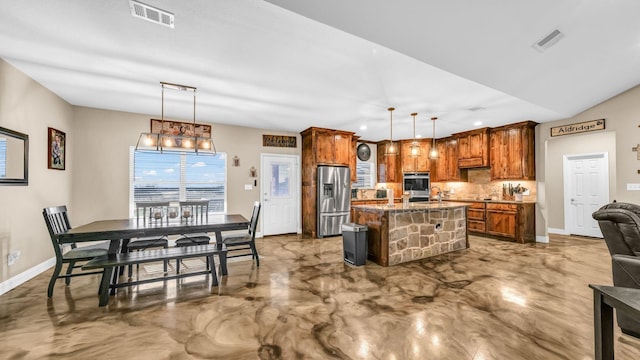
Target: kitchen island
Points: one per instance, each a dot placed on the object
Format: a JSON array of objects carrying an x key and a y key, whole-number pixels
[{"x": 402, "y": 233}]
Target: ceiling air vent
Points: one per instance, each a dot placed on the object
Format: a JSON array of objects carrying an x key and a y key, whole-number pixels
[
  {"x": 547, "y": 41},
  {"x": 150, "y": 13}
]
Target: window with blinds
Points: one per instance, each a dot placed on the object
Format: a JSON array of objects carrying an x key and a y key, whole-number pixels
[
  {"x": 179, "y": 177},
  {"x": 365, "y": 174}
]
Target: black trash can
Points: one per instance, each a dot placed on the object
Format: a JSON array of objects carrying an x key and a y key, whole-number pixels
[{"x": 354, "y": 243}]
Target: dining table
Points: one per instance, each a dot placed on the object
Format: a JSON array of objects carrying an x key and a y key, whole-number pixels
[{"x": 120, "y": 231}]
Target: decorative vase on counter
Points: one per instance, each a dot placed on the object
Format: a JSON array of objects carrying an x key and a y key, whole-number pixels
[{"x": 518, "y": 196}]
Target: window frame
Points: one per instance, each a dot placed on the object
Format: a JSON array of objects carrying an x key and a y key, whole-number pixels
[{"x": 182, "y": 182}]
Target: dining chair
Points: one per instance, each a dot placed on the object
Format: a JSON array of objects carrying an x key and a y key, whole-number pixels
[
  {"x": 236, "y": 242},
  {"x": 152, "y": 212},
  {"x": 193, "y": 211},
  {"x": 57, "y": 222}
]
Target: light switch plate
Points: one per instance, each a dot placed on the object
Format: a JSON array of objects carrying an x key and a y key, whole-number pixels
[
  {"x": 248, "y": 186},
  {"x": 633, "y": 187}
]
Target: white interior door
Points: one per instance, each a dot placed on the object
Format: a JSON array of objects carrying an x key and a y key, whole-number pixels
[
  {"x": 586, "y": 185},
  {"x": 280, "y": 189}
]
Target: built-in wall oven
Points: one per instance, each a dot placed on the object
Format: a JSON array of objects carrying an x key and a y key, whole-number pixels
[{"x": 417, "y": 184}]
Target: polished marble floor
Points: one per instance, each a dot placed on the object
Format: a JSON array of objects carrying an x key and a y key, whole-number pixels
[{"x": 495, "y": 300}]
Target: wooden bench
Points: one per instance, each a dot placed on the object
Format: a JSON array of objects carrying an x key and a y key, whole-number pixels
[{"x": 108, "y": 263}]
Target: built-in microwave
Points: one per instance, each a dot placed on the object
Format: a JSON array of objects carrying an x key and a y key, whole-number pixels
[{"x": 417, "y": 184}]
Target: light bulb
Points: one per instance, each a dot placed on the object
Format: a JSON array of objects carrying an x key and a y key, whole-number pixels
[
  {"x": 433, "y": 153},
  {"x": 148, "y": 141}
]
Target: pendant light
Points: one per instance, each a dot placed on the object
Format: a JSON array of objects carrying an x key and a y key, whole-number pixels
[
  {"x": 162, "y": 141},
  {"x": 433, "y": 153},
  {"x": 392, "y": 148},
  {"x": 415, "y": 148}
]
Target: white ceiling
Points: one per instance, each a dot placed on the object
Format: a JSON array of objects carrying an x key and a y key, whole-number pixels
[{"x": 262, "y": 65}]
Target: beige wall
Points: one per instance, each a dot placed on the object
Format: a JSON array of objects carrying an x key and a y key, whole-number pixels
[
  {"x": 101, "y": 175},
  {"x": 29, "y": 108},
  {"x": 622, "y": 114},
  {"x": 95, "y": 184}
]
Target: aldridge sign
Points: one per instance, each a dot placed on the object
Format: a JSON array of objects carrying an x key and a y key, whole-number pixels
[
  {"x": 279, "y": 141},
  {"x": 578, "y": 128}
]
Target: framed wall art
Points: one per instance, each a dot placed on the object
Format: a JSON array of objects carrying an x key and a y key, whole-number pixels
[
  {"x": 57, "y": 149},
  {"x": 180, "y": 128}
]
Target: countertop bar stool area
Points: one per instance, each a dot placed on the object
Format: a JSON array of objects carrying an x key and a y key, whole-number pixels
[
  {"x": 57, "y": 222},
  {"x": 247, "y": 241},
  {"x": 151, "y": 212},
  {"x": 193, "y": 211}
]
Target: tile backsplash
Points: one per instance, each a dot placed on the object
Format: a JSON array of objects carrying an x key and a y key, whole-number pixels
[{"x": 479, "y": 186}]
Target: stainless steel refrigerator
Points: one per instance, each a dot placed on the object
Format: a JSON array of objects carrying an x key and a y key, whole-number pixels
[{"x": 334, "y": 199}]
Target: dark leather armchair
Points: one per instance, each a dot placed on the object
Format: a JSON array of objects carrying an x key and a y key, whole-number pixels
[{"x": 620, "y": 225}]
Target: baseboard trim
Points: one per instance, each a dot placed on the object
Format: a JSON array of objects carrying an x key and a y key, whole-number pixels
[
  {"x": 25, "y": 276},
  {"x": 542, "y": 239},
  {"x": 557, "y": 231}
]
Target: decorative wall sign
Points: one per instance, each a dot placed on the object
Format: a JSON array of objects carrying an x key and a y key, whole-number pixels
[
  {"x": 180, "y": 128},
  {"x": 578, "y": 128},
  {"x": 57, "y": 149},
  {"x": 279, "y": 141}
]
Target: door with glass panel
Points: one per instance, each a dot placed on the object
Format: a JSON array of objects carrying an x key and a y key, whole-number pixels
[{"x": 280, "y": 197}]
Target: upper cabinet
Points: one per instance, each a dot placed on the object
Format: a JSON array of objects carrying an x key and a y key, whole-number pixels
[
  {"x": 512, "y": 151},
  {"x": 389, "y": 167},
  {"x": 415, "y": 163},
  {"x": 473, "y": 148},
  {"x": 329, "y": 147},
  {"x": 446, "y": 165},
  {"x": 353, "y": 158}
]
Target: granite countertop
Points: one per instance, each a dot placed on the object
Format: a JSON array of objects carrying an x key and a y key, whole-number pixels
[{"x": 415, "y": 206}]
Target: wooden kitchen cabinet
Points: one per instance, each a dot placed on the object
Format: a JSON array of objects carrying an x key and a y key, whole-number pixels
[
  {"x": 353, "y": 158},
  {"x": 502, "y": 220},
  {"x": 333, "y": 147},
  {"x": 320, "y": 147},
  {"x": 446, "y": 165},
  {"x": 509, "y": 221},
  {"x": 420, "y": 163},
  {"x": 476, "y": 217},
  {"x": 389, "y": 167},
  {"x": 512, "y": 151},
  {"x": 473, "y": 148}
]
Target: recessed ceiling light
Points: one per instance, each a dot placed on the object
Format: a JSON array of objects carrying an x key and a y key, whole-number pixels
[
  {"x": 363, "y": 127},
  {"x": 476, "y": 108},
  {"x": 477, "y": 123}
]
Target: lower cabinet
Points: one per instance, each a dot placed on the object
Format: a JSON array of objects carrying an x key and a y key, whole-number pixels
[
  {"x": 476, "y": 217},
  {"x": 504, "y": 221}
]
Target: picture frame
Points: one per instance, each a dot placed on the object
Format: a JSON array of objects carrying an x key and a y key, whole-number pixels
[
  {"x": 180, "y": 128},
  {"x": 56, "y": 149}
]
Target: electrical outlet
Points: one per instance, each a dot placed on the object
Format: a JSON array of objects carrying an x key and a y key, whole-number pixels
[
  {"x": 526, "y": 193},
  {"x": 12, "y": 257}
]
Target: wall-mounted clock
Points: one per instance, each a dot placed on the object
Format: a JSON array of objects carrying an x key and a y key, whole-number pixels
[{"x": 364, "y": 152}]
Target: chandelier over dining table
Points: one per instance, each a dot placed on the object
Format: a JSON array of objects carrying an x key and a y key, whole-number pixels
[{"x": 163, "y": 140}]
